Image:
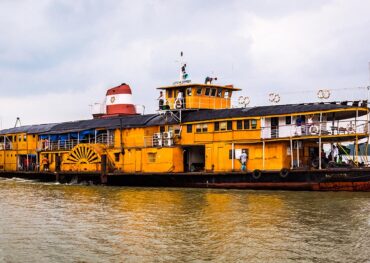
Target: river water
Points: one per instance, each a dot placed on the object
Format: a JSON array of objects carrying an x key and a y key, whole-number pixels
[{"x": 73, "y": 223}]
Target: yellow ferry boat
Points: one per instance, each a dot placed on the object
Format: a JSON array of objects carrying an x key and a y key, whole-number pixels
[{"x": 197, "y": 139}]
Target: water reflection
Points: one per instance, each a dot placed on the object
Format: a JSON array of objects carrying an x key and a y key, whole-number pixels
[{"x": 48, "y": 222}]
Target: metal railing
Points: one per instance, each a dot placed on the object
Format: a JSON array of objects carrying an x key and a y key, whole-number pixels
[
  {"x": 62, "y": 145},
  {"x": 156, "y": 141},
  {"x": 316, "y": 128},
  {"x": 6, "y": 146}
]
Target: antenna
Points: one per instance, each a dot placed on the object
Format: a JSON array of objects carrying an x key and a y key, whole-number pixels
[
  {"x": 17, "y": 121},
  {"x": 184, "y": 76}
]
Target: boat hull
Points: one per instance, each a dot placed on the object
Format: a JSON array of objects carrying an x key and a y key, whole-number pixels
[{"x": 306, "y": 180}]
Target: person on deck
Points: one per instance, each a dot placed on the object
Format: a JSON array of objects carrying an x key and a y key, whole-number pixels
[
  {"x": 161, "y": 100},
  {"x": 179, "y": 102},
  {"x": 45, "y": 162},
  {"x": 243, "y": 160},
  {"x": 335, "y": 153}
]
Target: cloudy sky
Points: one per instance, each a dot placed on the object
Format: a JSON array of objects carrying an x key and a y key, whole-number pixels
[{"x": 57, "y": 57}]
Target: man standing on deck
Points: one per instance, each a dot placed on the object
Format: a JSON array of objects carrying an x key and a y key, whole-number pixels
[
  {"x": 335, "y": 153},
  {"x": 243, "y": 160}
]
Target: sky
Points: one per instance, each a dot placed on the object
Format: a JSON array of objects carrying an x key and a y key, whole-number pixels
[{"x": 57, "y": 57}]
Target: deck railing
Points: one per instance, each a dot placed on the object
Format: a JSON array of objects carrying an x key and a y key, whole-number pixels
[
  {"x": 328, "y": 128},
  {"x": 6, "y": 146},
  {"x": 63, "y": 145}
]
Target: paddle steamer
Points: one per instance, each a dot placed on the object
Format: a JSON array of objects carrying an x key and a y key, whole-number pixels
[{"x": 195, "y": 139}]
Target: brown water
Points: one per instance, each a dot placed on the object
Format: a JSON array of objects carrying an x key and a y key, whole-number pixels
[{"x": 72, "y": 223}]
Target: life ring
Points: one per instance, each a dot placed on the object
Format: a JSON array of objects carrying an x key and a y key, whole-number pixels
[
  {"x": 350, "y": 128},
  {"x": 256, "y": 174},
  {"x": 178, "y": 104},
  {"x": 241, "y": 100},
  {"x": 284, "y": 173},
  {"x": 314, "y": 129}
]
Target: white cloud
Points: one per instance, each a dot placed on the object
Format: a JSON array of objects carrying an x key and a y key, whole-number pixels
[{"x": 57, "y": 57}]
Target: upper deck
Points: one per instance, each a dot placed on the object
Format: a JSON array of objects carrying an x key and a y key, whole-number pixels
[{"x": 198, "y": 96}]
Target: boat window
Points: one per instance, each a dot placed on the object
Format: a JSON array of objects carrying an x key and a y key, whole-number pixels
[
  {"x": 25, "y": 138},
  {"x": 223, "y": 126},
  {"x": 229, "y": 125},
  {"x": 169, "y": 93},
  {"x": 152, "y": 157},
  {"x": 19, "y": 138},
  {"x": 202, "y": 127},
  {"x": 254, "y": 124},
  {"x": 161, "y": 129},
  {"x": 199, "y": 91},
  {"x": 246, "y": 125},
  {"x": 217, "y": 126},
  {"x": 219, "y": 92},
  {"x": 189, "y": 128},
  {"x": 116, "y": 157},
  {"x": 188, "y": 91},
  {"x": 207, "y": 91},
  {"x": 239, "y": 125},
  {"x": 288, "y": 120},
  {"x": 226, "y": 94},
  {"x": 213, "y": 93}
]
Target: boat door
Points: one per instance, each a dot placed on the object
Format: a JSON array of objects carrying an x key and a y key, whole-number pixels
[
  {"x": 209, "y": 164},
  {"x": 220, "y": 158},
  {"x": 138, "y": 161},
  {"x": 274, "y": 127}
]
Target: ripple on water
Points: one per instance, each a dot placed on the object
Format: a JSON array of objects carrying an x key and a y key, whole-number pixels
[{"x": 51, "y": 222}]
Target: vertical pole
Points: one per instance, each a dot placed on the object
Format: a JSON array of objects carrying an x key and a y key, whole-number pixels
[
  {"x": 95, "y": 133},
  {"x": 320, "y": 126},
  {"x": 120, "y": 137},
  {"x": 297, "y": 153},
  {"x": 78, "y": 137},
  {"x": 232, "y": 155},
  {"x": 4, "y": 150},
  {"x": 356, "y": 150},
  {"x": 291, "y": 153},
  {"x": 263, "y": 154}
]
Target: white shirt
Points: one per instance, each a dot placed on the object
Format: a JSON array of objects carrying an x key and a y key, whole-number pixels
[
  {"x": 243, "y": 157},
  {"x": 335, "y": 152},
  {"x": 179, "y": 95}
]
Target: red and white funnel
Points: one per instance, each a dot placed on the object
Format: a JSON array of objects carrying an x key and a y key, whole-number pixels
[{"x": 119, "y": 100}]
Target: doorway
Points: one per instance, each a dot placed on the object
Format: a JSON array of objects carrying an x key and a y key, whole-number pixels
[
  {"x": 194, "y": 158},
  {"x": 274, "y": 127}
]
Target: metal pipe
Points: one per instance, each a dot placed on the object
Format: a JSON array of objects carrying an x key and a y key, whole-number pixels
[
  {"x": 320, "y": 151},
  {"x": 297, "y": 154},
  {"x": 232, "y": 156},
  {"x": 291, "y": 153},
  {"x": 263, "y": 154}
]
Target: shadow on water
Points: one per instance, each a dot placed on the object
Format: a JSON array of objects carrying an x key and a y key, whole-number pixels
[{"x": 53, "y": 222}]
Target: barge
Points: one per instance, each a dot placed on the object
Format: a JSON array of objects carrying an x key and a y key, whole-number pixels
[{"x": 197, "y": 139}]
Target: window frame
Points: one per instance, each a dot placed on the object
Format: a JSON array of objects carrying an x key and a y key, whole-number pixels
[
  {"x": 207, "y": 92},
  {"x": 253, "y": 124},
  {"x": 189, "y": 128},
  {"x": 213, "y": 92}
]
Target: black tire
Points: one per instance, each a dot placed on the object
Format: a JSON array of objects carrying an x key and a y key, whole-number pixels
[
  {"x": 332, "y": 164},
  {"x": 284, "y": 173},
  {"x": 256, "y": 174}
]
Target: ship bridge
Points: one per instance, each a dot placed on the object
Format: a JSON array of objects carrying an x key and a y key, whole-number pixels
[{"x": 197, "y": 96}]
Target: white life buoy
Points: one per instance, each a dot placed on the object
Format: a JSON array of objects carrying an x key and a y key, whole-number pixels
[
  {"x": 314, "y": 129},
  {"x": 350, "y": 128}
]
